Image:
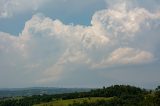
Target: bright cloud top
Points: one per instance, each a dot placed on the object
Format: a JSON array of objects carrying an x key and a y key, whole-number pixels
[{"x": 50, "y": 47}]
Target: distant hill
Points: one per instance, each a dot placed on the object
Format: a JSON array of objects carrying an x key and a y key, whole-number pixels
[{"x": 12, "y": 92}]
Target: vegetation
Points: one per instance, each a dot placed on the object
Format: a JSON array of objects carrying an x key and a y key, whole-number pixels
[
  {"x": 69, "y": 102},
  {"x": 117, "y": 95}
]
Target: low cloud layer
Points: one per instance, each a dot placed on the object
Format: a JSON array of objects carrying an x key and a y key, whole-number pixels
[{"x": 50, "y": 48}]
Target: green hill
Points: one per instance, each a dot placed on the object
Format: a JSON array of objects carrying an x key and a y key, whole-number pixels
[{"x": 71, "y": 101}]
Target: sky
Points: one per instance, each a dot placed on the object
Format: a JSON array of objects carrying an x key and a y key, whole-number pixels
[{"x": 79, "y": 43}]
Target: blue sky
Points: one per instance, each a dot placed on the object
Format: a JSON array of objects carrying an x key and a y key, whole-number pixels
[{"x": 79, "y": 43}]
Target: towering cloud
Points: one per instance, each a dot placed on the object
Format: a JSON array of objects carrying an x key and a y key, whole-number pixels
[{"x": 48, "y": 46}]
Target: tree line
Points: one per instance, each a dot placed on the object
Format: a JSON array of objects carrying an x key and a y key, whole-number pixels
[{"x": 123, "y": 95}]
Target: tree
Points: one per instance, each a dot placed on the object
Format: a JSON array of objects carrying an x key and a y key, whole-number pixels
[{"x": 158, "y": 88}]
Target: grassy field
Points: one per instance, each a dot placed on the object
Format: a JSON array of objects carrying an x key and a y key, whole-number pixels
[{"x": 71, "y": 101}]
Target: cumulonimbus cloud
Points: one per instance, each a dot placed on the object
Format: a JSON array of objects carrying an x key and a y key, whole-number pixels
[{"x": 49, "y": 45}]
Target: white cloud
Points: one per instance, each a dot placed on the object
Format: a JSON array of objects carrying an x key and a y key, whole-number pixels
[
  {"x": 11, "y": 7},
  {"x": 49, "y": 46},
  {"x": 130, "y": 55},
  {"x": 121, "y": 21},
  {"x": 86, "y": 36},
  {"x": 56, "y": 71},
  {"x": 124, "y": 56}
]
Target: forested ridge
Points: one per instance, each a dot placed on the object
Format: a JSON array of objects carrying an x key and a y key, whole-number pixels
[{"x": 122, "y": 95}]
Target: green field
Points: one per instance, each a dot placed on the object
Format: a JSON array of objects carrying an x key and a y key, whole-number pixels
[{"x": 71, "y": 101}]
